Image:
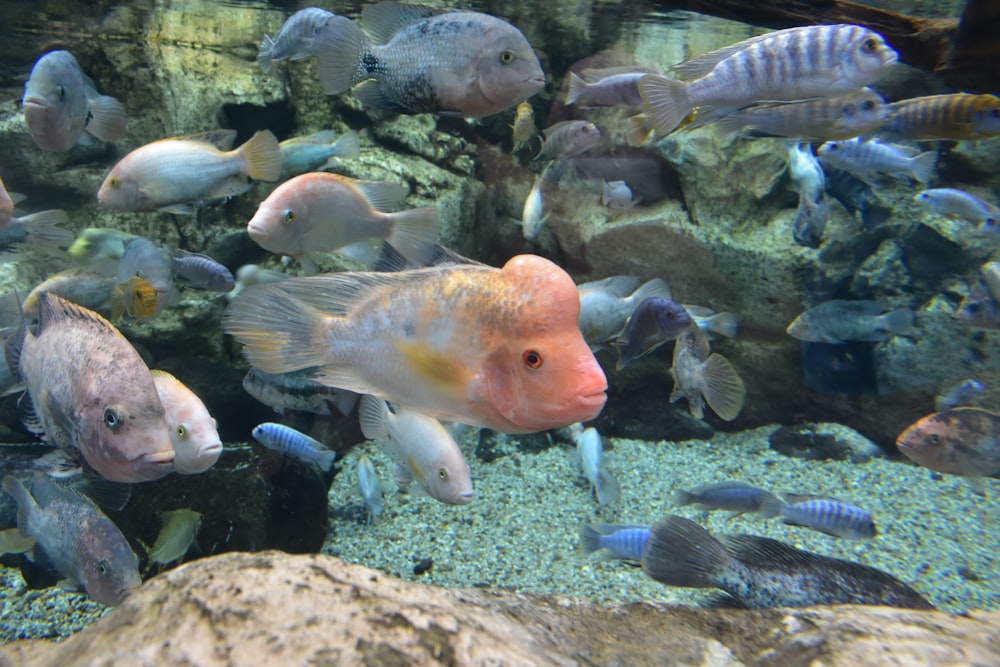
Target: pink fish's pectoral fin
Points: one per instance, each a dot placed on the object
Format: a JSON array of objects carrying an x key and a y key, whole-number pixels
[{"x": 442, "y": 371}]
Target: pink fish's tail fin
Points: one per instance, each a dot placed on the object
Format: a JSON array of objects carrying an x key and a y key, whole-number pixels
[
  {"x": 723, "y": 388},
  {"x": 414, "y": 234},
  {"x": 107, "y": 118},
  {"x": 262, "y": 156},
  {"x": 279, "y": 332}
]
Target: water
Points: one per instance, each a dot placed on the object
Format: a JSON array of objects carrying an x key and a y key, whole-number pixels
[{"x": 713, "y": 219}]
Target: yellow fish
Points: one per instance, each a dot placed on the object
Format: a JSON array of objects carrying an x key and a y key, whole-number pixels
[
  {"x": 134, "y": 296},
  {"x": 523, "y": 127}
]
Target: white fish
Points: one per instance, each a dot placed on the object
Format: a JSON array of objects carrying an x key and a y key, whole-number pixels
[
  {"x": 805, "y": 171},
  {"x": 867, "y": 159},
  {"x": 788, "y": 65},
  {"x": 531, "y": 216},
  {"x": 421, "y": 449},
  {"x": 193, "y": 431},
  {"x": 616, "y": 195},
  {"x": 591, "y": 450},
  {"x": 957, "y": 204},
  {"x": 370, "y": 488},
  {"x": 606, "y": 304}
]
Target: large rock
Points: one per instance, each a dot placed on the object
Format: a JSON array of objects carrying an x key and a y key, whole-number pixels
[{"x": 273, "y": 608}]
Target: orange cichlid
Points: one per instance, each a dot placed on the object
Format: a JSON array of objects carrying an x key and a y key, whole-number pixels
[
  {"x": 960, "y": 441},
  {"x": 954, "y": 116},
  {"x": 498, "y": 348},
  {"x": 135, "y": 296}
]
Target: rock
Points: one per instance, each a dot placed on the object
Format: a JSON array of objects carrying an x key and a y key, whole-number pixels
[
  {"x": 273, "y": 608},
  {"x": 823, "y": 442}
]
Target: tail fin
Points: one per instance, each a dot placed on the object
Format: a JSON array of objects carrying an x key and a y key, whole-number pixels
[
  {"x": 723, "y": 388},
  {"x": 281, "y": 333},
  {"x": 922, "y": 166},
  {"x": 414, "y": 234},
  {"x": 770, "y": 506},
  {"x": 339, "y": 47},
  {"x": 607, "y": 487},
  {"x": 638, "y": 129},
  {"x": 107, "y": 118},
  {"x": 682, "y": 553},
  {"x": 590, "y": 540},
  {"x": 262, "y": 156},
  {"x": 348, "y": 146},
  {"x": 899, "y": 322},
  {"x": 42, "y": 228},
  {"x": 264, "y": 54},
  {"x": 667, "y": 100},
  {"x": 724, "y": 324},
  {"x": 325, "y": 460},
  {"x": 25, "y": 503},
  {"x": 577, "y": 87}
]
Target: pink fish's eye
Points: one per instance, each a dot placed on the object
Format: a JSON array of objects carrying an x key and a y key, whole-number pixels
[
  {"x": 289, "y": 215},
  {"x": 182, "y": 431},
  {"x": 114, "y": 183},
  {"x": 532, "y": 359},
  {"x": 442, "y": 473},
  {"x": 934, "y": 439}
]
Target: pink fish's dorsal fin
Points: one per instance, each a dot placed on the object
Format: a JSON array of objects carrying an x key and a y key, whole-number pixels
[
  {"x": 221, "y": 139},
  {"x": 384, "y": 19},
  {"x": 52, "y": 308}
]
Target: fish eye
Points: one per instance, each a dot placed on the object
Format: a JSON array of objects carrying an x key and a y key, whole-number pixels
[
  {"x": 868, "y": 105},
  {"x": 869, "y": 45},
  {"x": 182, "y": 432},
  {"x": 532, "y": 359},
  {"x": 442, "y": 473},
  {"x": 62, "y": 92},
  {"x": 289, "y": 215},
  {"x": 506, "y": 57},
  {"x": 103, "y": 567},
  {"x": 112, "y": 419},
  {"x": 114, "y": 183},
  {"x": 934, "y": 438}
]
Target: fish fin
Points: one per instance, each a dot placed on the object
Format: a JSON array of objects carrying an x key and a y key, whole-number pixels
[
  {"x": 106, "y": 494},
  {"x": 436, "y": 367},
  {"x": 117, "y": 300},
  {"x": 370, "y": 94},
  {"x": 372, "y": 416},
  {"x": 723, "y": 388},
  {"x": 221, "y": 139},
  {"x": 42, "y": 228},
  {"x": 13, "y": 541},
  {"x": 402, "y": 476},
  {"x": 590, "y": 540},
  {"x": 683, "y": 498},
  {"x": 770, "y": 506},
  {"x": 340, "y": 45},
  {"x": 28, "y": 415},
  {"x": 26, "y": 504},
  {"x": 179, "y": 209},
  {"x": 724, "y": 324},
  {"x": 262, "y": 156},
  {"x": 366, "y": 251},
  {"x": 264, "y": 54},
  {"x": 347, "y": 147},
  {"x": 381, "y": 195},
  {"x": 344, "y": 400},
  {"x": 384, "y": 19},
  {"x": 16, "y": 197},
  {"x": 682, "y": 553},
  {"x": 899, "y": 322},
  {"x": 676, "y": 393},
  {"x": 52, "y": 308},
  {"x": 667, "y": 100},
  {"x": 577, "y": 87},
  {"x": 977, "y": 483},
  {"x": 922, "y": 166},
  {"x": 414, "y": 233},
  {"x": 325, "y": 459},
  {"x": 620, "y": 286},
  {"x": 638, "y": 129},
  {"x": 765, "y": 552},
  {"x": 308, "y": 264},
  {"x": 68, "y": 585},
  {"x": 59, "y": 463},
  {"x": 651, "y": 288},
  {"x": 607, "y": 487},
  {"x": 107, "y": 118},
  {"x": 279, "y": 332}
]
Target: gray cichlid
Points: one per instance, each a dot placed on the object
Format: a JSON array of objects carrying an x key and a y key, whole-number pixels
[
  {"x": 788, "y": 65},
  {"x": 838, "y": 321},
  {"x": 606, "y": 304},
  {"x": 80, "y": 541},
  {"x": 655, "y": 321},
  {"x": 201, "y": 271},
  {"x": 760, "y": 573},
  {"x": 867, "y": 159},
  {"x": 60, "y": 103},
  {"x": 316, "y": 151},
  {"x": 296, "y": 391},
  {"x": 425, "y": 61},
  {"x": 735, "y": 497},
  {"x": 89, "y": 391},
  {"x": 295, "y": 40},
  {"x": 569, "y": 138},
  {"x": 702, "y": 378}
]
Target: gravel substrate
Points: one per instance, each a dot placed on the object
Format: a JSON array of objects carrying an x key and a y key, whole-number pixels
[{"x": 521, "y": 530}]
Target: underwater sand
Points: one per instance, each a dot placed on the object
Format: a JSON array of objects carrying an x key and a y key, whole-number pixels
[{"x": 521, "y": 530}]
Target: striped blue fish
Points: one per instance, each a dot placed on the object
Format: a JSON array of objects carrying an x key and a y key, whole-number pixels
[
  {"x": 622, "y": 541},
  {"x": 829, "y": 516},
  {"x": 290, "y": 442}
]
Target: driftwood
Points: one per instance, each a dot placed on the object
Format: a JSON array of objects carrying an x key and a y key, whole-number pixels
[{"x": 962, "y": 51}]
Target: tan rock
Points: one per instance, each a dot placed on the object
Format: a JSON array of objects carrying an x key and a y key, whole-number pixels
[{"x": 273, "y": 608}]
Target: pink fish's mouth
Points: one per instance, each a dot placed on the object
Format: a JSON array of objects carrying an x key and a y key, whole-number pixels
[
  {"x": 34, "y": 102},
  {"x": 157, "y": 463},
  {"x": 214, "y": 448}
]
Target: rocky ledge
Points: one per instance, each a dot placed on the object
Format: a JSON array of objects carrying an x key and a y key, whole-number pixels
[{"x": 274, "y": 608}]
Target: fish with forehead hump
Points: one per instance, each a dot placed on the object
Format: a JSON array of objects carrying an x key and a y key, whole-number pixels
[
  {"x": 89, "y": 391},
  {"x": 464, "y": 342}
]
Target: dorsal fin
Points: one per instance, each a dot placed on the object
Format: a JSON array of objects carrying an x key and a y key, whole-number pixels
[
  {"x": 221, "y": 139},
  {"x": 384, "y": 19},
  {"x": 52, "y": 308}
]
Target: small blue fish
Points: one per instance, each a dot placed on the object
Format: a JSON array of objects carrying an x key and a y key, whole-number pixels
[
  {"x": 296, "y": 39},
  {"x": 316, "y": 151},
  {"x": 202, "y": 272},
  {"x": 735, "y": 497},
  {"x": 622, "y": 541},
  {"x": 290, "y": 442},
  {"x": 827, "y": 515},
  {"x": 961, "y": 395},
  {"x": 370, "y": 487},
  {"x": 655, "y": 321}
]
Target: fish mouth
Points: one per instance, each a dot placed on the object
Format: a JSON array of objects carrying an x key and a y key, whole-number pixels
[
  {"x": 214, "y": 448},
  {"x": 34, "y": 102},
  {"x": 464, "y": 498},
  {"x": 159, "y": 463},
  {"x": 256, "y": 231}
]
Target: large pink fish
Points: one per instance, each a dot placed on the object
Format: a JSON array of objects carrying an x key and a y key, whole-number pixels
[
  {"x": 91, "y": 393},
  {"x": 492, "y": 347}
]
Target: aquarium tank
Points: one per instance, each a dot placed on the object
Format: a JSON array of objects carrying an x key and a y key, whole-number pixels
[{"x": 531, "y": 325}]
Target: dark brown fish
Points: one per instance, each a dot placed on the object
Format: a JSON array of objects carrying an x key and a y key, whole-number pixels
[
  {"x": 89, "y": 391},
  {"x": 760, "y": 573},
  {"x": 962, "y": 441}
]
